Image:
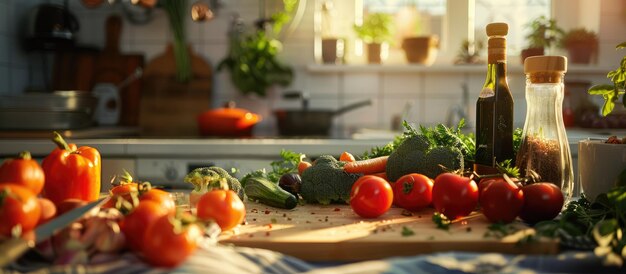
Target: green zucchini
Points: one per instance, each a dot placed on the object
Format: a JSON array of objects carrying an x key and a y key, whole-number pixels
[{"x": 264, "y": 191}]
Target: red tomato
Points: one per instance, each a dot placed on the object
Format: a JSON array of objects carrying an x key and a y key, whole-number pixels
[
  {"x": 483, "y": 183},
  {"x": 542, "y": 201},
  {"x": 413, "y": 191},
  {"x": 501, "y": 201},
  {"x": 134, "y": 224},
  {"x": 454, "y": 196},
  {"x": 166, "y": 244},
  {"x": 18, "y": 206},
  {"x": 371, "y": 196},
  {"x": 24, "y": 171},
  {"x": 160, "y": 196},
  {"x": 222, "y": 206}
]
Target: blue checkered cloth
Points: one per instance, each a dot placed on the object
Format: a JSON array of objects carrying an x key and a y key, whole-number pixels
[{"x": 229, "y": 259}]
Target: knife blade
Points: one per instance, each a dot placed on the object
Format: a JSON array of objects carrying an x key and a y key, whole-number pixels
[{"x": 15, "y": 247}]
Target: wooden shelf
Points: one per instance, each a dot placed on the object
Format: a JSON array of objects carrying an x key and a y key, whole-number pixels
[{"x": 439, "y": 68}]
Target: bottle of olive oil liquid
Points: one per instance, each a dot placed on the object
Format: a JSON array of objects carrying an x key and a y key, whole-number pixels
[{"x": 494, "y": 109}]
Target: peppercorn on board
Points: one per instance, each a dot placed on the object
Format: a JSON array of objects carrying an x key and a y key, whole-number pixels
[{"x": 336, "y": 233}]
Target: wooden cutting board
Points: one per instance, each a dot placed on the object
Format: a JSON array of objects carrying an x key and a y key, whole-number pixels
[
  {"x": 113, "y": 66},
  {"x": 336, "y": 233},
  {"x": 170, "y": 108}
]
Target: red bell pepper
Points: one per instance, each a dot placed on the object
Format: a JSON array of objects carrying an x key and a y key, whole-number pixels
[{"x": 71, "y": 172}]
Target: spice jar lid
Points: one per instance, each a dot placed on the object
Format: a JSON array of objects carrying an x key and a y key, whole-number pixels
[
  {"x": 545, "y": 64},
  {"x": 497, "y": 29}
]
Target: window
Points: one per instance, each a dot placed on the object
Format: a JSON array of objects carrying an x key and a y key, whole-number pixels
[{"x": 517, "y": 13}]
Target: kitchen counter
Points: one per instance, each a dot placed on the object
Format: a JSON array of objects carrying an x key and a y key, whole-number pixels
[{"x": 166, "y": 161}]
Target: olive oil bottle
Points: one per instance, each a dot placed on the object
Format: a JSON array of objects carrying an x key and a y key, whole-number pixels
[{"x": 494, "y": 108}]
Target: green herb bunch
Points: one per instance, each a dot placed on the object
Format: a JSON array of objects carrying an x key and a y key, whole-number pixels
[
  {"x": 252, "y": 58},
  {"x": 611, "y": 93}
]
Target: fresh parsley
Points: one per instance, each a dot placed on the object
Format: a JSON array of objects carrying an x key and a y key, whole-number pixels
[
  {"x": 441, "y": 221},
  {"x": 287, "y": 164},
  {"x": 407, "y": 232}
]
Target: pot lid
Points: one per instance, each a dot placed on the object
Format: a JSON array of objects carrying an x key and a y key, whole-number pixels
[{"x": 231, "y": 112}]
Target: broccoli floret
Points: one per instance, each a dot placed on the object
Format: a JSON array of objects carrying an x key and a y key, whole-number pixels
[
  {"x": 210, "y": 177},
  {"x": 415, "y": 155},
  {"x": 326, "y": 181}
]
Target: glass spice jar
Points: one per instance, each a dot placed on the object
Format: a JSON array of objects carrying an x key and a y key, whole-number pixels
[{"x": 544, "y": 150}]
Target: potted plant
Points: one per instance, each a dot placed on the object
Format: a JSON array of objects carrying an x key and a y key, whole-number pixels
[
  {"x": 376, "y": 32},
  {"x": 420, "y": 49},
  {"x": 544, "y": 33},
  {"x": 580, "y": 44},
  {"x": 469, "y": 53}
]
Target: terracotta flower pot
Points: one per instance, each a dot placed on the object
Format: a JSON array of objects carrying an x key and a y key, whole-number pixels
[
  {"x": 333, "y": 50},
  {"x": 580, "y": 53},
  {"x": 421, "y": 49},
  {"x": 528, "y": 52},
  {"x": 376, "y": 53}
]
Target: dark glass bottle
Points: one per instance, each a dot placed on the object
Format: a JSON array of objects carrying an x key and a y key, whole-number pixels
[{"x": 494, "y": 108}]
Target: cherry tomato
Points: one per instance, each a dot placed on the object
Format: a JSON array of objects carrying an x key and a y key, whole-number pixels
[
  {"x": 302, "y": 166},
  {"x": 542, "y": 201},
  {"x": 24, "y": 171},
  {"x": 413, "y": 192},
  {"x": 454, "y": 196},
  {"x": 134, "y": 224},
  {"x": 168, "y": 241},
  {"x": 501, "y": 201},
  {"x": 483, "y": 183},
  {"x": 222, "y": 206},
  {"x": 371, "y": 196},
  {"x": 18, "y": 206}
]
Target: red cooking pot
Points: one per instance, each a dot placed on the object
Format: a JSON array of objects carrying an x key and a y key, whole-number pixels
[{"x": 227, "y": 121}]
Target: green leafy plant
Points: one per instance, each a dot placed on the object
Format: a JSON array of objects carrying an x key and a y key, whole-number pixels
[
  {"x": 543, "y": 33},
  {"x": 252, "y": 58},
  {"x": 376, "y": 28},
  {"x": 611, "y": 93},
  {"x": 469, "y": 52},
  {"x": 598, "y": 225}
]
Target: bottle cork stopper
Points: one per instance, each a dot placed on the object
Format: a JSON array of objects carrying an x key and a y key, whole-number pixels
[
  {"x": 497, "y": 29},
  {"x": 545, "y": 64}
]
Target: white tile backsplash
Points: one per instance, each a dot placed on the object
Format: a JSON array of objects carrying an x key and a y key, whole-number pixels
[
  {"x": 405, "y": 85},
  {"x": 431, "y": 94},
  {"x": 361, "y": 84}
]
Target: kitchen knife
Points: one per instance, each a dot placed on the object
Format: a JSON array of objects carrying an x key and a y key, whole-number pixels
[{"x": 13, "y": 248}]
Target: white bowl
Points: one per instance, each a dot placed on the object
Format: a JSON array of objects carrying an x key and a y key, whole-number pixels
[{"x": 599, "y": 165}]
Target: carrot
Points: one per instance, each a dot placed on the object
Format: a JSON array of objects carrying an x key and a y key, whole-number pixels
[
  {"x": 346, "y": 157},
  {"x": 302, "y": 166},
  {"x": 369, "y": 166}
]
